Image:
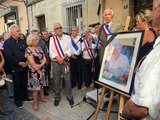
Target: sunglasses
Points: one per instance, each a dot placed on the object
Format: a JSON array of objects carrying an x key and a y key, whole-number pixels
[{"x": 58, "y": 28}]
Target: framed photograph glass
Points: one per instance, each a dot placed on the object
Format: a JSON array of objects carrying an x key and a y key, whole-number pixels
[{"x": 120, "y": 55}]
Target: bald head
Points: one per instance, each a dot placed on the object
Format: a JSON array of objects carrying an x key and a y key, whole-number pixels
[
  {"x": 58, "y": 29},
  {"x": 156, "y": 13},
  {"x": 156, "y": 2},
  {"x": 108, "y": 15}
]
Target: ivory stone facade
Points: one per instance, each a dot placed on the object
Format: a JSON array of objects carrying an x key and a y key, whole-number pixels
[{"x": 42, "y": 14}]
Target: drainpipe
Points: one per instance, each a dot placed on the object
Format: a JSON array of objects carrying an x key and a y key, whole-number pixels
[{"x": 27, "y": 19}]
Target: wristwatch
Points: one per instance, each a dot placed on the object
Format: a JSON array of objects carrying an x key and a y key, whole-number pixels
[{"x": 121, "y": 115}]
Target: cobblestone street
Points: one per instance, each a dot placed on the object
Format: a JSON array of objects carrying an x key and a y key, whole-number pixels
[
  {"x": 82, "y": 110},
  {"x": 14, "y": 113}
]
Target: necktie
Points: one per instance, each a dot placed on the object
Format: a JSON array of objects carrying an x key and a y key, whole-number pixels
[{"x": 107, "y": 25}]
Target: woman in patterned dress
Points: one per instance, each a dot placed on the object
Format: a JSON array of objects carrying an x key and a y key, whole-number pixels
[
  {"x": 1, "y": 88},
  {"x": 36, "y": 70}
]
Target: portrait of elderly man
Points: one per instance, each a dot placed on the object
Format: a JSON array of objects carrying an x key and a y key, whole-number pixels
[
  {"x": 108, "y": 27},
  {"x": 145, "y": 100},
  {"x": 118, "y": 64}
]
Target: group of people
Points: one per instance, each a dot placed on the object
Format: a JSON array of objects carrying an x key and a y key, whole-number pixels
[
  {"x": 77, "y": 60},
  {"x": 24, "y": 63}
]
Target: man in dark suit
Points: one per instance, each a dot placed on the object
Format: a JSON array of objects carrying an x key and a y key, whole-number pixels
[
  {"x": 111, "y": 26},
  {"x": 14, "y": 50},
  {"x": 108, "y": 27}
]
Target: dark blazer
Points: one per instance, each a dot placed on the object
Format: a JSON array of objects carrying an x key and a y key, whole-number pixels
[
  {"x": 44, "y": 48},
  {"x": 14, "y": 51}
]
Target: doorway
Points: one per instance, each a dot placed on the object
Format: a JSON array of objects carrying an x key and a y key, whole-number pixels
[{"x": 41, "y": 23}]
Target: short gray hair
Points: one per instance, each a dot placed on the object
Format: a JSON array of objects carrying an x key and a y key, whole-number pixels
[
  {"x": 76, "y": 27},
  {"x": 13, "y": 26},
  {"x": 34, "y": 30},
  {"x": 108, "y": 9}
]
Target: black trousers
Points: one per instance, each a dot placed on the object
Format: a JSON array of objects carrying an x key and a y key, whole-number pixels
[
  {"x": 90, "y": 76},
  {"x": 47, "y": 73},
  {"x": 20, "y": 86},
  {"x": 76, "y": 72},
  {"x": 87, "y": 66}
]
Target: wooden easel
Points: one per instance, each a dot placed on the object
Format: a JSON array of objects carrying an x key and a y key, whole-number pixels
[
  {"x": 104, "y": 88},
  {"x": 121, "y": 104}
]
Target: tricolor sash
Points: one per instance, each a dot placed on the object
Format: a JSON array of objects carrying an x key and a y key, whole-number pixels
[
  {"x": 106, "y": 30},
  {"x": 59, "y": 48},
  {"x": 90, "y": 54},
  {"x": 1, "y": 45},
  {"x": 74, "y": 44}
]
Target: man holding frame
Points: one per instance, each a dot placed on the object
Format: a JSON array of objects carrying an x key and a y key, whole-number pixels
[{"x": 143, "y": 103}]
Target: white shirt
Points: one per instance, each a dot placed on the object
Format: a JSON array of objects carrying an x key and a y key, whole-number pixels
[
  {"x": 109, "y": 24},
  {"x": 85, "y": 53},
  {"x": 147, "y": 83},
  {"x": 97, "y": 41},
  {"x": 65, "y": 43},
  {"x": 78, "y": 44}
]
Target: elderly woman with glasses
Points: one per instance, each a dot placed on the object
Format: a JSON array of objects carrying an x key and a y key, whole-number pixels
[{"x": 36, "y": 72}]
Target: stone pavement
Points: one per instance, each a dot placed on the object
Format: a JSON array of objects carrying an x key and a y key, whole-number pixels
[
  {"x": 14, "y": 113},
  {"x": 81, "y": 111}
]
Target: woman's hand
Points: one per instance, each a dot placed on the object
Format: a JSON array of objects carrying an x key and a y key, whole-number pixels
[
  {"x": 40, "y": 74},
  {"x": 38, "y": 66}
]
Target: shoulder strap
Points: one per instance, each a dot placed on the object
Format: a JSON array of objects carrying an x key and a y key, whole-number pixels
[
  {"x": 154, "y": 32},
  {"x": 74, "y": 44},
  {"x": 140, "y": 62}
]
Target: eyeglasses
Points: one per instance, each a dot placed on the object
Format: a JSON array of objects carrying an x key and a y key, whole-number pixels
[{"x": 58, "y": 28}]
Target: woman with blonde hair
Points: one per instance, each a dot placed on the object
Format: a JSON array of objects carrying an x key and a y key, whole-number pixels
[
  {"x": 144, "y": 22},
  {"x": 36, "y": 70}
]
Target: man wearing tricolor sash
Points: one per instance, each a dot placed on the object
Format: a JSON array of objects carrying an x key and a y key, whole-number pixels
[
  {"x": 144, "y": 103},
  {"x": 60, "y": 51},
  {"x": 89, "y": 55},
  {"x": 76, "y": 60},
  {"x": 107, "y": 28}
]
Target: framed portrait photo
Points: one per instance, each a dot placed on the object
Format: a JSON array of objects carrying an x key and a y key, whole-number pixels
[{"x": 119, "y": 60}]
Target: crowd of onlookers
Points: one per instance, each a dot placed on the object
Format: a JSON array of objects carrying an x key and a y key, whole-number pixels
[
  {"x": 72, "y": 60},
  {"x": 13, "y": 46}
]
